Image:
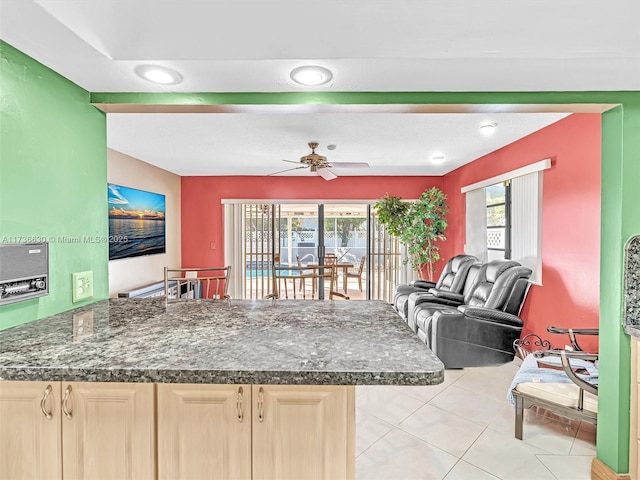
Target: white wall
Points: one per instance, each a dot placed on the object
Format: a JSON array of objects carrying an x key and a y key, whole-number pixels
[{"x": 131, "y": 172}]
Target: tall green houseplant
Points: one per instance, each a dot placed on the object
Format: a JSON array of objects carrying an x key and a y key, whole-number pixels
[{"x": 419, "y": 225}]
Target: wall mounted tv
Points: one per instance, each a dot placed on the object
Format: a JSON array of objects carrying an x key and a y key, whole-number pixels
[{"x": 136, "y": 222}]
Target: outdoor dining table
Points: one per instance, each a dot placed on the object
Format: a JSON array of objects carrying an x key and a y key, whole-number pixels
[{"x": 344, "y": 266}]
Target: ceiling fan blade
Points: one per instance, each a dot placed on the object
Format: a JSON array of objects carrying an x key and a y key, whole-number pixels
[
  {"x": 326, "y": 174},
  {"x": 287, "y": 170},
  {"x": 350, "y": 164}
]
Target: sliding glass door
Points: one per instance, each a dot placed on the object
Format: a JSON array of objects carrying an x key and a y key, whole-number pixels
[{"x": 261, "y": 235}]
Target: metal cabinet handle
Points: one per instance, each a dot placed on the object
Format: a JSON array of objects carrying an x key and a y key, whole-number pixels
[
  {"x": 260, "y": 404},
  {"x": 43, "y": 401},
  {"x": 239, "y": 404},
  {"x": 65, "y": 400}
]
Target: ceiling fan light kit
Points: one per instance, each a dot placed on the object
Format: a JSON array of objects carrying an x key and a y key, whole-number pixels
[
  {"x": 318, "y": 164},
  {"x": 488, "y": 128}
]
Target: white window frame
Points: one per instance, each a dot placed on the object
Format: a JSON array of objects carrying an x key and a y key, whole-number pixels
[{"x": 526, "y": 216}]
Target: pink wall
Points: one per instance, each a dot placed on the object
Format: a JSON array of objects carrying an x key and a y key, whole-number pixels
[
  {"x": 570, "y": 220},
  {"x": 202, "y": 212}
]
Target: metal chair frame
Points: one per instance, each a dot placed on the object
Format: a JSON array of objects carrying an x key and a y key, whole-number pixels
[{"x": 219, "y": 275}]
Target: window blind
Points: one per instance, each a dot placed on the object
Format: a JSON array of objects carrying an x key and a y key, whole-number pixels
[
  {"x": 526, "y": 214},
  {"x": 234, "y": 243},
  {"x": 476, "y": 224}
]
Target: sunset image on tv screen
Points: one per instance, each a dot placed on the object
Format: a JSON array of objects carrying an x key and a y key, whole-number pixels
[{"x": 136, "y": 222}]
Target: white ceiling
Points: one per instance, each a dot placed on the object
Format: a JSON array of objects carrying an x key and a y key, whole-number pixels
[{"x": 378, "y": 45}]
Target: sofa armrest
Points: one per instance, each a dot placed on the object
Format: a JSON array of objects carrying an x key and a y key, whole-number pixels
[
  {"x": 417, "y": 298},
  {"x": 449, "y": 296},
  {"x": 491, "y": 314},
  {"x": 425, "y": 284}
]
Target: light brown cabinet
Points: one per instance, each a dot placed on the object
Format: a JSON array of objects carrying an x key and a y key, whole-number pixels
[
  {"x": 77, "y": 430},
  {"x": 108, "y": 430},
  {"x": 261, "y": 432},
  {"x": 303, "y": 432},
  {"x": 204, "y": 431},
  {"x": 30, "y": 430},
  {"x": 91, "y": 430}
]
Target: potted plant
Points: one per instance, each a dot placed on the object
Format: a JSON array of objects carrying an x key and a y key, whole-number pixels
[{"x": 419, "y": 225}]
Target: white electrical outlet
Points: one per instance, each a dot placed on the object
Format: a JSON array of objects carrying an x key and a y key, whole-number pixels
[{"x": 82, "y": 285}]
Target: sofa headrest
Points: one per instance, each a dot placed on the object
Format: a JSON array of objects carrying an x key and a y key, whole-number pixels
[
  {"x": 495, "y": 268},
  {"x": 455, "y": 273},
  {"x": 461, "y": 260}
]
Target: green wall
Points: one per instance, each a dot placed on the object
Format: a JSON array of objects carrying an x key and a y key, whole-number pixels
[
  {"x": 53, "y": 177},
  {"x": 620, "y": 221},
  {"x": 54, "y": 149}
]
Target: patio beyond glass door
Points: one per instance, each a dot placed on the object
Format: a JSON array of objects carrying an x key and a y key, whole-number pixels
[
  {"x": 345, "y": 236},
  {"x": 289, "y": 235}
]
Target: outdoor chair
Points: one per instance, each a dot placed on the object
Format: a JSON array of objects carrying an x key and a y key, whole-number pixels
[
  {"x": 564, "y": 382},
  {"x": 357, "y": 273}
]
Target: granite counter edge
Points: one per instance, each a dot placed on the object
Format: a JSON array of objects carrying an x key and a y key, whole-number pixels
[
  {"x": 632, "y": 330},
  {"x": 222, "y": 376}
]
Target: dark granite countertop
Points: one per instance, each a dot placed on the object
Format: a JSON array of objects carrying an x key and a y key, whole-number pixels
[{"x": 204, "y": 341}]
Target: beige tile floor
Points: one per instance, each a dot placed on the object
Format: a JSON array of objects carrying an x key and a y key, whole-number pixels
[{"x": 463, "y": 430}]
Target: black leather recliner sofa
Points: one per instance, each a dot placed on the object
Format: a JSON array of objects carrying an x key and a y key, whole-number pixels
[
  {"x": 484, "y": 322},
  {"x": 451, "y": 280}
]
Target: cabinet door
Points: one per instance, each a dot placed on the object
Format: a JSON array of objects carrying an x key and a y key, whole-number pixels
[
  {"x": 30, "y": 430},
  {"x": 303, "y": 432},
  {"x": 108, "y": 430},
  {"x": 204, "y": 431}
]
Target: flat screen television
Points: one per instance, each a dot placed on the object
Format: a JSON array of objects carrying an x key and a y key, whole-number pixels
[{"x": 136, "y": 222}]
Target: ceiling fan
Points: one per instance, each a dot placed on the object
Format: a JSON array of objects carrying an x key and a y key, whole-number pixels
[{"x": 319, "y": 164}]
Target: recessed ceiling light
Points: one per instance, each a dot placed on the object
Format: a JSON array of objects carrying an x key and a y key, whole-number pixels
[
  {"x": 331, "y": 147},
  {"x": 438, "y": 158},
  {"x": 311, "y": 75},
  {"x": 158, "y": 74},
  {"x": 488, "y": 128}
]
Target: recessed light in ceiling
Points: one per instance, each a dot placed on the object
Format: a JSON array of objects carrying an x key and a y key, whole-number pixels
[
  {"x": 311, "y": 75},
  {"x": 158, "y": 74},
  {"x": 438, "y": 158},
  {"x": 331, "y": 147},
  {"x": 488, "y": 128}
]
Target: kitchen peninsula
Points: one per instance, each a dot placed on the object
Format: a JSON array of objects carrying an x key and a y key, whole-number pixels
[{"x": 254, "y": 389}]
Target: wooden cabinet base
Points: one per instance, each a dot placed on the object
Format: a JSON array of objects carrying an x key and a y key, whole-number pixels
[
  {"x": 92, "y": 430},
  {"x": 269, "y": 432},
  {"x": 204, "y": 431},
  {"x": 30, "y": 430},
  {"x": 303, "y": 432},
  {"x": 108, "y": 430}
]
